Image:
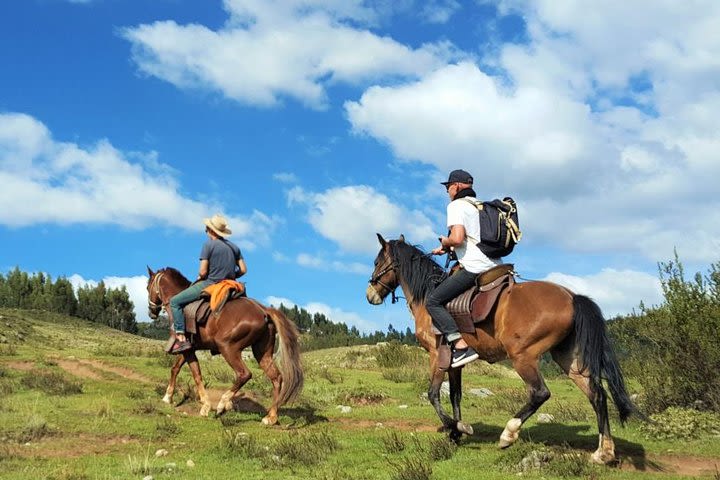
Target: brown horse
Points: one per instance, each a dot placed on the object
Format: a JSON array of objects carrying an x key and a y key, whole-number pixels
[
  {"x": 243, "y": 322},
  {"x": 530, "y": 318}
]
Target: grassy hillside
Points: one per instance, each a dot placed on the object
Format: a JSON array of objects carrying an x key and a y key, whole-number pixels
[{"x": 81, "y": 401}]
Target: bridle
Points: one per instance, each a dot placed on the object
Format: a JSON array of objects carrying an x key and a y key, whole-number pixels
[
  {"x": 156, "y": 286},
  {"x": 375, "y": 279}
]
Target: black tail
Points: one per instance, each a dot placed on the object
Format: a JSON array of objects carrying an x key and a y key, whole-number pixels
[{"x": 598, "y": 357}]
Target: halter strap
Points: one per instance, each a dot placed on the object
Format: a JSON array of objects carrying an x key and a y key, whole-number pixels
[
  {"x": 392, "y": 265},
  {"x": 156, "y": 285}
]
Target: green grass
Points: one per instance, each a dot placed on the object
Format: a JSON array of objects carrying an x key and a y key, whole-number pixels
[{"x": 107, "y": 421}]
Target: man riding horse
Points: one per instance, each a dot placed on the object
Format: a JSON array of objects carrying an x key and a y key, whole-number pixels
[
  {"x": 220, "y": 259},
  {"x": 463, "y": 223}
]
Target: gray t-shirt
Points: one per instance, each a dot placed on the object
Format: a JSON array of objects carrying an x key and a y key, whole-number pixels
[{"x": 222, "y": 257}]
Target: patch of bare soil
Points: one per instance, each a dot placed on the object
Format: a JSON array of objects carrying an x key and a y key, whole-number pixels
[
  {"x": 675, "y": 464},
  {"x": 20, "y": 365},
  {"x": 74, "y": 446},
  {"x": 89, "y": 369}
]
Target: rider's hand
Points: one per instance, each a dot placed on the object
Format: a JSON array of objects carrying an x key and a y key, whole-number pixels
[{"x": 439, "y": 250}]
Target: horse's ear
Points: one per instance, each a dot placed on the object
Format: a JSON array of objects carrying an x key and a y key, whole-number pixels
[
  {"x": 381, "y": 240},
  {"x": 150, "y": 272},
  {"x": 402, "y": 238}
]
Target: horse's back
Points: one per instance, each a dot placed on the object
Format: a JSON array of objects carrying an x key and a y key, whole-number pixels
[
  {"x": 238, "y": 316},
  {"x": 533, "y": 316}
]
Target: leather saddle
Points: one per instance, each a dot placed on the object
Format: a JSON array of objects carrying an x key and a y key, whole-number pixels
[
  {"x": 477, "y": 303},
  {"x": 198, "y": 312}
]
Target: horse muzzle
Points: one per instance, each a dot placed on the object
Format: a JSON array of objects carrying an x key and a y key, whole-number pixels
[{"x": 373, "y": 297}]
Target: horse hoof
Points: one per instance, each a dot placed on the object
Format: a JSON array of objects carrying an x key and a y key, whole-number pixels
[
  {"x": 602, "y": 458},
  {"x": 507, "y": 439},
  {"x": 465, "y": 428},
  {"x": 167, "y": 399},
  {"x": 205, "y": 411},
  {"x": 269, "y": 420}
]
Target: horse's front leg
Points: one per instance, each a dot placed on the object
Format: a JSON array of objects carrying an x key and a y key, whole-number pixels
[
  {"x": 194, "y": 365},
  {"x": 455, "y": 378},
  {"x": 437, "y": 375},
  {"x": 170, "y": 390}
]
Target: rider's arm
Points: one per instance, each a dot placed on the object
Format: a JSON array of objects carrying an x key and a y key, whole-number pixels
[
  {"x": 242, "y": 268},
  {"x": 456, "y": 237},
  {"x": 204, "y": 266}
]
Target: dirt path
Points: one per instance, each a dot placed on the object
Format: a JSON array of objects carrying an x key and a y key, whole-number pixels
[
  {"x": 89, "y": 369},
  {"x": 675, "y": 464}
]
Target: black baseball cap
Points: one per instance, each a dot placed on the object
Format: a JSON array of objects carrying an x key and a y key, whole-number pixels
[{"x": 459, "y": 176}]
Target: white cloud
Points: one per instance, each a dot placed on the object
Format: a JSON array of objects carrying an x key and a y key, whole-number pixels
[
  {"x": 618, "y": 292},
  {"x": 47, "y": 181},
  {"x": 135, "y": 286},
  {"x": 350, "y": 216},
  {"x": 324, "y": 263},
  {"x": 273, "y": 49},
  {"x": 333, "y": 314},
  {"x": 439, "y": 11},
  {"x": 602, "y": 126},
  {"x": 285, "y": 177}
]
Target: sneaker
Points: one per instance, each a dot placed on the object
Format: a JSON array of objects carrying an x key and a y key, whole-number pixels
[
  {"x": 462, "y": 356},
  {"x": 180, "y": 347}
]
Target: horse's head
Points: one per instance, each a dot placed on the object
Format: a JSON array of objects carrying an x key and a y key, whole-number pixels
[
  {"x": 155, "y": 301},
  {"x": 384, "y": 279}
]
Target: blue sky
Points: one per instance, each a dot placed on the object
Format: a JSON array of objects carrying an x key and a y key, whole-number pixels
[{"x": 314, "y": 124}]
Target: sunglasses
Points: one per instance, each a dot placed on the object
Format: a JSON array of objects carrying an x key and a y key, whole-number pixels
[{"x": 447, "y": 187}]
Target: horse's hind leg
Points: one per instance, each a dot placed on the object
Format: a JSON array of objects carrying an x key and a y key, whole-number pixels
[
  {"x": 568, "y": 361},
  {"x": 233, "y": 356},
  {"x": 538, "y": 393},
  {"x": 263, "y": 351},
  {"x": 170, "y": 390}
]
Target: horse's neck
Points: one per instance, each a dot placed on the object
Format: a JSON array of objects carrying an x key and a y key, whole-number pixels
[
  {"x": 423, "y": 321},
  {"x": 171, "y": 288}
]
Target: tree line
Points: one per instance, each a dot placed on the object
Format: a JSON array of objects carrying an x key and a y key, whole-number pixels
[
  {"x": 316, "y": 329},
  {"x": 107, "y": 306}
]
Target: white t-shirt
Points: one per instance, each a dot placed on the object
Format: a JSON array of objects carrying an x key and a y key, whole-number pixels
[{"x": 462, "y": 212}]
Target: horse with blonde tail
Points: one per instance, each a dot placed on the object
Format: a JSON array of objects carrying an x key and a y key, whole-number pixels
[
  {"x": 529, "y": 319},
  {"x": 242, "y": 323}
]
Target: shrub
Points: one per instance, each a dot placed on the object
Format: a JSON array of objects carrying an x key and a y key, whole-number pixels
[
  {"x": 679, "y": 423},
  {"x": 395, "y": 355},
  {"x": 360, "y": 395},
  {"x": 145, "y": 408},
  {"x": 35, "y": 429},
  {"x": 303, "y": 449},
  {"x": 51, "y": 382},
  {"x": 241, "y": 444},
  {"x": 416, "y": 374},
  {"x": 672, "y": 350},
  {"x": 167, "y": 428},
  {"x": 441, "y": 448},
  {"x": 393, "y": 442},
  {"x": 415, "y": 467}
]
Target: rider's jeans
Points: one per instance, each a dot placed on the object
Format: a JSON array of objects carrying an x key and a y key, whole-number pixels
[
  {"x": 450, "y": 288},
  {"x": 178, "y": 301}
]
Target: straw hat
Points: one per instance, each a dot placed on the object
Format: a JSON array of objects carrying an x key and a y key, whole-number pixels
[{"x": 218, "y": 224}]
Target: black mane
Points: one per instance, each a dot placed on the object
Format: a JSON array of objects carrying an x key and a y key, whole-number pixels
[{"x": 419, "y": 272}]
